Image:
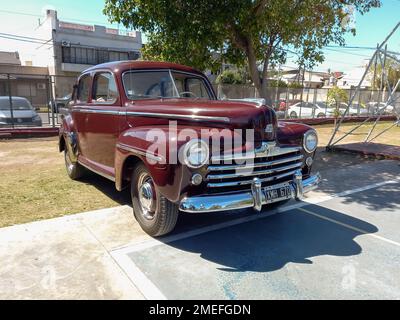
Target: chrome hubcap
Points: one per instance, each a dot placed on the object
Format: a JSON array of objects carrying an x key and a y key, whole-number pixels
[{"x": 146, "y": 194}]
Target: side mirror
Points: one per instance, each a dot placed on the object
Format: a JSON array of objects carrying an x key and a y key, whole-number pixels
[{"x": 37, "y": 108}]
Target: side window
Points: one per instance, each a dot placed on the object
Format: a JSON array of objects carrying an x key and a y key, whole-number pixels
[
  {"x": 104, "y": 88},
  {"x": 83, "y": 89},
  {"x": 197, "y": 87}
]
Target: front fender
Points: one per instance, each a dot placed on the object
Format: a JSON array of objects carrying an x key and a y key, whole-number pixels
[
  {"x": 153, "y": 147},
  {"x": 290, "y": 133}
]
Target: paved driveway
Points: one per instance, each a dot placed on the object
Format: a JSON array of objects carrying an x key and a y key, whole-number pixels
[{"x": 343, "y": 242}]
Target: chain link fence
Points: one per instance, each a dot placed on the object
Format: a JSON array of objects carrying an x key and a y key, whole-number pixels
[{"x": 36, "y": 100}]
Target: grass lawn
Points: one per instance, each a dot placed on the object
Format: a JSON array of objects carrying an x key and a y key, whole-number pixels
[
  {"x": 391, "y": 137},
  {"x": 35, "y": 186}
]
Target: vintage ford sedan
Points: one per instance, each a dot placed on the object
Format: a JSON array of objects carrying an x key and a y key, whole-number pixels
[{"x": 159, "y": 129}]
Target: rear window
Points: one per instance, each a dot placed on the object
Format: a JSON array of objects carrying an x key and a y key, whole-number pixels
[{"x": 18, "y": 104}]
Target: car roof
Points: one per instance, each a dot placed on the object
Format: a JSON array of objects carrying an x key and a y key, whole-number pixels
[
  {"x": 14, "y": 98},
  {"x": 122, "y": 66}
]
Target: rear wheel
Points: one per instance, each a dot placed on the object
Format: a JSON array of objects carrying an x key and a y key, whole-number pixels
[
  {"x": 321, "y": 115},
  {"x": 74, "y": 169},
  {"x": 156, "y": 215}
]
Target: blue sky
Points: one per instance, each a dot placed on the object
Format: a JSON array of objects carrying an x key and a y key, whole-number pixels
[{"x": 371, "y": 28}]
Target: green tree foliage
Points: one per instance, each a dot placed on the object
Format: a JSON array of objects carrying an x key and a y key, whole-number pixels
[
  {"x": 336, "y": 96},
  {"x": 256, "y": 33},
  {"x": 230, "y": 77}
]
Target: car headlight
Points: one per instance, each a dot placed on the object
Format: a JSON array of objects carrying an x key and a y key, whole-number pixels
[
  {"x": 36, "y": 118},
  {"x": 310, "y": 142},
  {"x": 196, "y": 153}
]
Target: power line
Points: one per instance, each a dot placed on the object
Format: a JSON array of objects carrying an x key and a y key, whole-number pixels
[{"x": 22, "y": 37}]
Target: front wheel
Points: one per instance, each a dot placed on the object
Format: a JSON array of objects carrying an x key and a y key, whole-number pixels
[
  {"x": 156, "y": 215},
  {"x": 293, "y": 115}
]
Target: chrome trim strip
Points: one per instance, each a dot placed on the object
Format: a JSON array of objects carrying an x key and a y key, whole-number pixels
[
  {"x": 235, "y": 201},
  {"x": 86, "y": 110},
  {"x": 152, "y": 115},
  {"x": 97, "y": 172},
  {"x": 258, "y": 153},
  {"x": 254, "y": 165},
  {"x": 148, "y": 155},
  {"x": 176, "y": 116},
  {"x": 247, "y": 182},
  {"x": 254, "y": 173}
]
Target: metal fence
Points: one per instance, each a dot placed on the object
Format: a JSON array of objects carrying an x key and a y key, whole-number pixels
[
  {"x": 309, "y": 103},
  {"x": 36, "y": 100},
  {"x": 31, "y": 100}
]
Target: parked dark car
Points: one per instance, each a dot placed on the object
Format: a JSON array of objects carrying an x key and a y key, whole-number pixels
[
  {"x": 116, "y": 111},
  {"x": 21, "y": 114},
  {"x": 60, "y": 103}
]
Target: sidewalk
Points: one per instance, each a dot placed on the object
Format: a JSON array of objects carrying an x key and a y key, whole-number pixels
[{"x": 68, "y": 257}]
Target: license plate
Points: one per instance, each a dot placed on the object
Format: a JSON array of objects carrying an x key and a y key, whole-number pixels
[{"x": 278, "y": 193}]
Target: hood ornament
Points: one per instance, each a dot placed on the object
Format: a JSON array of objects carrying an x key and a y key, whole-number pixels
[{"x": 267, "y": 149}]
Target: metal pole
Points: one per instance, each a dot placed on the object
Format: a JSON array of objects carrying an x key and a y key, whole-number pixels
[
  {"x": 10, "y": 100},
  {"x": 366, "y": 120},
  {"x": 381, "y": 112},
  {"x": 386, "y": 130},
  {"x": 361, "y": 81},
  {"x": 53, "y": 102}
]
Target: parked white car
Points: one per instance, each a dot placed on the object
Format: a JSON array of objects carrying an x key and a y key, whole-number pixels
[{"x": 309, "y": 110}]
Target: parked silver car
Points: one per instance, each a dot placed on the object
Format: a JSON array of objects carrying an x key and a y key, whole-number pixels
[{"x": 23, "y": 113}]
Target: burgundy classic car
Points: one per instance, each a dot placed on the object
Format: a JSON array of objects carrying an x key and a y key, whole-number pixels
[{"x": 158, "y": 129}]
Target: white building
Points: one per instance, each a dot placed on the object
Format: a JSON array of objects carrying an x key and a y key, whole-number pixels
[
  {"x": 353, "y": 77},
  {"x": 72, "y": 48}
]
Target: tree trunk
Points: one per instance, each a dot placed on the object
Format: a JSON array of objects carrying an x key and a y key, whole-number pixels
[
  {"x": 264, "y": 85},
  {"x": 252, "y": 60}
]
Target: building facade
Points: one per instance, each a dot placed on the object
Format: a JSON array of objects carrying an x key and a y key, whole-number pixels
[
  {"x": 72, "y": 48},
  {"x": 29, "y": 82}
]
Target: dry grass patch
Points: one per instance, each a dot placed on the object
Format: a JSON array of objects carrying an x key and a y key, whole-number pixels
[
  {"x": 35, "y": 186},
  {"x": 391, "y": 137}
]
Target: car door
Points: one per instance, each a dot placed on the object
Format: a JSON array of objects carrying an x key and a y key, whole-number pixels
[
  {"x": 79, "y": 112},
  {"x": 103, "y": 121}
]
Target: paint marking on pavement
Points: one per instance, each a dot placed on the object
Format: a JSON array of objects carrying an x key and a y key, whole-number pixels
[
  {"x": 349, "y": 227},
  {"x": 149, "y": 289}
]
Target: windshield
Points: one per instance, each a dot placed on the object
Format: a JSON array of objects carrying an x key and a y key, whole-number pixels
[
  {"x": 164, "y": 84},
  {"x": 18, "y": 104}
]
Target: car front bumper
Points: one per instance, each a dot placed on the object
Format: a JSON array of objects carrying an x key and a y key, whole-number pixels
[{"x": 255, "y": 198}]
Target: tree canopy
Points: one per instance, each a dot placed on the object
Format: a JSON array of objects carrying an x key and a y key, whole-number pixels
[{"x": 256, "y": 33}]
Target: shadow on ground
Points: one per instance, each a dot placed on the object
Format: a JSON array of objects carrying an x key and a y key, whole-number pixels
[
  {"x": 269, "y": 243},
  {"x": 107, "y": 187}
]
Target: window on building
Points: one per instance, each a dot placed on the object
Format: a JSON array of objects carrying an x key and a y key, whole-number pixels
[
  {"x": 104, "y": 88},
  {"x": 91, "y": 56},
  {"x": 83, "y": 89}
]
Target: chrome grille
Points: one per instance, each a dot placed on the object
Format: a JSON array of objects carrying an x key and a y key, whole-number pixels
[{"x": 276, "y": 167}]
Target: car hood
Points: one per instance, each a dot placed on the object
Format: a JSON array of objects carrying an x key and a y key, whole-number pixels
[
  {"x": 18, "y": 113},
  {"x": 213, "y": 113}
]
